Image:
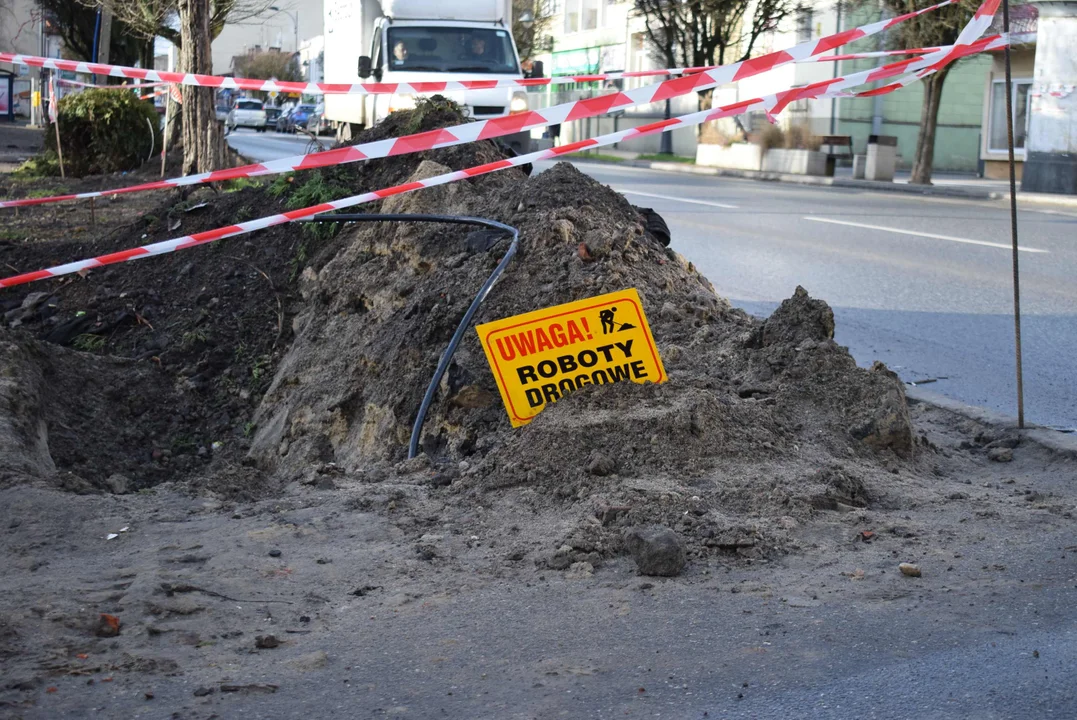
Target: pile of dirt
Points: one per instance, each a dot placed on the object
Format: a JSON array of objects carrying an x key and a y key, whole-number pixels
[
  {"x": 186, "y": 344},
  {"x": 293, "y": 353}
]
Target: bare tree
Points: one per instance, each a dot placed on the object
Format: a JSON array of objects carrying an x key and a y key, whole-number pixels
[
  {"x": 531, "y": 37},
  {"x": 698, "y": 33},
  {"x": 937, "y": 28},
  {"x": 159, "y": 18},
  {"x": 267, "y": 64},
  {"x": 192, "y": 26},
  {"x": 695, "y": 33},
  {"x": 77, "y": 25}
]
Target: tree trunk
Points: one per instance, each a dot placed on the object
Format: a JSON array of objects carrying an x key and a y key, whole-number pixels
[
  {"x": 145, "y": 54},
  {"x": 203, "y": 140},
  {"x": 924, "y": 159}
]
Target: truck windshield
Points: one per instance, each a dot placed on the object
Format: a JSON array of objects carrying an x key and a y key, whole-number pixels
[{"x": 451, "y": 49}]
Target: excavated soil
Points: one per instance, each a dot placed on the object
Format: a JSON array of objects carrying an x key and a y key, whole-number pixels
[{"x": 259, "y": 361}]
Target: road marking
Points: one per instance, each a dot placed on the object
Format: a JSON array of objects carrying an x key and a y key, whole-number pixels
[
  {"x": 726, "y": 206},
  {"x": 933, "y": 236}
]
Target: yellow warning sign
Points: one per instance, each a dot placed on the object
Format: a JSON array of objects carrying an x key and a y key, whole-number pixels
[{"x": 541, "y": 356}]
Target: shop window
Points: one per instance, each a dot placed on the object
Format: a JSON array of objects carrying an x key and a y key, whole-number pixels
[{"x": 996, "y": 132}]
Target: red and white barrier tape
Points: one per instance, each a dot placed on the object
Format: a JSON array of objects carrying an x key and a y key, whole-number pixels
[
  {"x": 136, "y": 86},
  {"x": 771, "y": 104},
  {"x": 219, "y": 82},
  {"x": 871, "y": 54},
  {"x": 499, "y": 127}
]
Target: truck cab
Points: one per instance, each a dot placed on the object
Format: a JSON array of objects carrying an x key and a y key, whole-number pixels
[{"x": 415, "y": 41}]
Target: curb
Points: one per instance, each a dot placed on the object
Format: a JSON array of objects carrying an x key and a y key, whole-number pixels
[
  {"x": 1052, "y": 440},
  {"x": 876, "y": 185}
]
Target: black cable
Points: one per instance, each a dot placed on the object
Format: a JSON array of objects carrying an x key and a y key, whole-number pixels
[{"x": 446, "y": 358}]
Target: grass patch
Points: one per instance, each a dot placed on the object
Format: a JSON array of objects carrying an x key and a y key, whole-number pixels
[
  {"x": 241, "y": 183},
  {"x": 46, "y": 192},
  {"x": 668, "y": 158},
  {"x": 40, "y": 166},
  {"x": 88, "y": 342}
]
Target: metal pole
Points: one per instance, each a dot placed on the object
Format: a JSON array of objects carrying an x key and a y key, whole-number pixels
[
  {"x": 1013, "y": 223},
  {"x": 834, "y": 101},
  {"x": 666, "y": 145}
]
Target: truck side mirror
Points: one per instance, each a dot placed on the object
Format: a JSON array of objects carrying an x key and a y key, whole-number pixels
[
  {"x": 364, "y": 66},
  {"x": 536, "y": 70}
]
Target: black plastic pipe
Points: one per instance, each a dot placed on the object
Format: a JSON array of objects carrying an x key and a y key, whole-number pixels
[{"x": 446, "y": 357}]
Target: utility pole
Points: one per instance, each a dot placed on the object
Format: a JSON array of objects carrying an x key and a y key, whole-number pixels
[{"x": 834, "y": 101}]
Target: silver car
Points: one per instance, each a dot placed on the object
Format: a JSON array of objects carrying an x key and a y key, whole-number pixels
[{"x": 247, "y": 113}]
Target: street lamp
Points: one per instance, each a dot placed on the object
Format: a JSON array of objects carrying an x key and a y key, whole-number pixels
[{"x": 295, "y": 21}]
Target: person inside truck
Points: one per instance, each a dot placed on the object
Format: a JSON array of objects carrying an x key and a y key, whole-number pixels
[
  {"x": 400, "y": 53},
  {"x": 477, "y": 48}
]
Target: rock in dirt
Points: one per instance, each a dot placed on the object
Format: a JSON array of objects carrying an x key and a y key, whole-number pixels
[
  {"x": 107, "y": 626},
  {"x": 657, "y": 550},
  {"x": 601, "y": 464},
  {"x": 909, "y": 569},
  {"x": 266, "y": 642},
  {"x": 117, "y": 484},
  {"x": 579, "y": 571},
  {"x": 1000, "y": 454}
]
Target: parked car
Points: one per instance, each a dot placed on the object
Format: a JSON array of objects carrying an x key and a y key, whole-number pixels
[
  {"x": 222, "y": 113},
  {"x": 282, "y": 123},
  {"x": 247, "y": 113},
  {"x": 300, "y": 117},
  {"x": 317, "y": 123},
  {"x": 272, "y": 113}
]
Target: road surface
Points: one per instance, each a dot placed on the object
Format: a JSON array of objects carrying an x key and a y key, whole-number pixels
[{"x": 923, "y": 284}]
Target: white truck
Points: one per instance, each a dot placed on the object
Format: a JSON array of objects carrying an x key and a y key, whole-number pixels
[{"x": 395, "y": 41}]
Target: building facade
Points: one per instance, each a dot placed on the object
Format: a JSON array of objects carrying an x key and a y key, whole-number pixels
[
  {"x": 25, "y": 30},
  {"x": 284, "y": 29}
]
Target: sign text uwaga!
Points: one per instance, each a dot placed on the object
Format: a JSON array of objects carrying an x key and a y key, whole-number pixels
[{"x": 540, "y": 356}]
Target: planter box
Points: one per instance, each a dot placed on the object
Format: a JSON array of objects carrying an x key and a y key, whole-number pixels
[
  {"x": 795, "y": 162},
  {"x": 738, "y": 156}
]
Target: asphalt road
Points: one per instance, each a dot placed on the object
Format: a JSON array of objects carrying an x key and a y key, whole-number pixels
[
  {"x": 269, "y": 145},
  {"x": 923, "y": 284}
]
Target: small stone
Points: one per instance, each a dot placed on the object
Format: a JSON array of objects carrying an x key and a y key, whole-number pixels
[
  {"x": 274, "y": 553},
  {"x": 203, "y": 691},
  {"x": 562, "y": 559},
  {"x": 580, "y": 570},
  {"x": 107, "y": 626},
  {"x": 601, "y": 465},
  {"x": 1000, "y": 454},
  {"x": 266, "y": 642},
  {"x": 657, "y": 550},
  {"x": 909, "y": 570},
  {"x": 323, "y": 561},
  {"x": 117, "y": 483}
]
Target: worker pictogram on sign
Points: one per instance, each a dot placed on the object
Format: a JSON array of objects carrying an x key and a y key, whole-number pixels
[{"x": 539, "y": 357}]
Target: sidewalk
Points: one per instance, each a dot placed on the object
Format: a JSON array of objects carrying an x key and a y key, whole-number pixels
[
  {"x": 968, "y": 187},
  {"x": 18, "y": 142}
]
